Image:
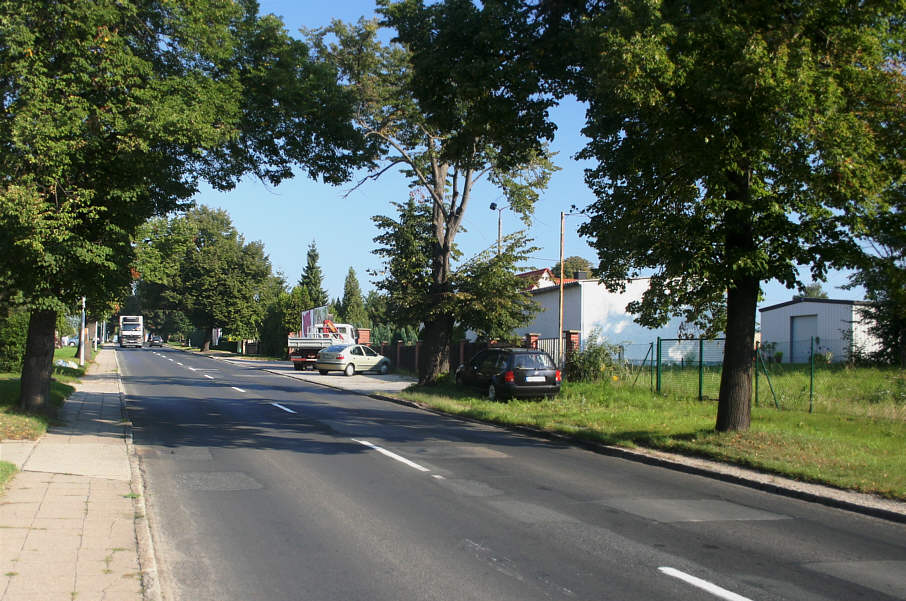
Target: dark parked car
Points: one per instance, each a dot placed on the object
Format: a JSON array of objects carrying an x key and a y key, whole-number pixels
[
  {"x": 155, "y": 341},
  {"x": 511, "y": 372}
]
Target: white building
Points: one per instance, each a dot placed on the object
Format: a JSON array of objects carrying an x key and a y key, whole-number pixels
[
  {"x": 588, "y": 306},
  {"x": 836, "y": 326}
]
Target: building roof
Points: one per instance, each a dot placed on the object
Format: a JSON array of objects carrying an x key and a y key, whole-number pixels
[
  {"x": 805, "y": 299},
  {"x": 536, "y": 276}
]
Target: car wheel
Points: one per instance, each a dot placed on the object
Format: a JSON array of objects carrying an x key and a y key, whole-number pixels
[
  {"x": 492, "y": 392},
  {"x": 323, "y": 372},
  {"x": 383, "y": 369},
  {"x": 298, "y": 366},
  {"x": 350, "y": 370}
]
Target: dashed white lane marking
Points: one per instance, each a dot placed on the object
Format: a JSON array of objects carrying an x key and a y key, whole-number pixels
[
  {"x": 392, "y": 455},
  {"x": 239, "y": 389},
  {"x": 704, "y": 585},
  {"x": 192, "y": 369},
  {"x": 178, "y": 363},
  {"x": 279, "y": 406},
  {"x": 209, "y": 377}
]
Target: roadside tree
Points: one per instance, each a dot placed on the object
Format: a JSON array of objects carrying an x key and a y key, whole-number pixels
[
  {"x": 485, "y": 294},
  {"x": 352, "y": 306},
  {"x": 312, "y": 280},
  {"x": 882, "y": 272},
  {"x": 444, "y": 155},
  {"x": 734, "y": 142},
  {"x": 111, "y": 111}
]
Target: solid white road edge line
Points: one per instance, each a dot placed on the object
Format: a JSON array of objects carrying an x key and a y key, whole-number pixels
[
  {"x": 704, "y": 585},
  {"x": 279, "y": 406},
  {"x": 239, "y": 389},
  {"x": 392, "y": 455}
]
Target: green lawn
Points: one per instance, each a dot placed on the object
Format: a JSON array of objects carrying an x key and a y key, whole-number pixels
[
  {"x": 858, "y": 446},
  {"x": 17, "y": 425}
]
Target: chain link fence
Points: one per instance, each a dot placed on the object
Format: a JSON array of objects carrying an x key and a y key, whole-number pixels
[{"x": 688, "y": 368}]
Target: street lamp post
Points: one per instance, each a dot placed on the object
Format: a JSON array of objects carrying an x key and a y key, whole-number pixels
[{"x": 499, "y": 210}]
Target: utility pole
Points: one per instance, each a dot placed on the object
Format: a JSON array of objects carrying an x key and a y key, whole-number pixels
[
  {"x": 82, "y": 336},
  {"x": 560, "y": 323}
]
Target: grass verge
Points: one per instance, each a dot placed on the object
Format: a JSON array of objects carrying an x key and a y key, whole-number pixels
[
  {"x": 848, "y": 451},
  {"x": 19, "y": 425},
  {"x": 7, "y": 470}
]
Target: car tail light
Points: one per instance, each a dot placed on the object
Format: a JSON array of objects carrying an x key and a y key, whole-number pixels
[
  {"x": 340, "y": 357},
  {"x": 558, "y": 376},
  {"x": 509, "y": 377}
]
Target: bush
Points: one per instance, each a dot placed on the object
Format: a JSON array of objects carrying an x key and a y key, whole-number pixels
[
  {"x": 598, "y": 360},
  {"x": 13, "y": 333}
]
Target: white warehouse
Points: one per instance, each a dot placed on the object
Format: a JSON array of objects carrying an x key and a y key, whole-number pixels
[
  {"x": 836, "y": 326},
  {"x": 588, "y": 306}
]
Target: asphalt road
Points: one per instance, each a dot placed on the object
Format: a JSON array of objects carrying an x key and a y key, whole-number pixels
[{"x": 264, "y": 487}]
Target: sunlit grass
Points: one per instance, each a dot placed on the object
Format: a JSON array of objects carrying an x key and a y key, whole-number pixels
[
  {"x": 852, "y": 450},
  {"x": 16, "y": 424}
]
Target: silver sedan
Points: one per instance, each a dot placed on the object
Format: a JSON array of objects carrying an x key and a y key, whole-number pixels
[{"x": 350, "y": 358}]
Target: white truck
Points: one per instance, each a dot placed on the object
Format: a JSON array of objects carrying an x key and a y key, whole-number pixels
[
  {"x": 303, "y": 350},
  {"x": 132, "y": 331}
]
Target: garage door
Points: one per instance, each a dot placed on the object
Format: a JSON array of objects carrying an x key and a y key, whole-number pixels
[{"x": 802, "y": 329}]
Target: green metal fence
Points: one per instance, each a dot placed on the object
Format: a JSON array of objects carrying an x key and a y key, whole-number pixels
[{"x": 688, "y": 368}]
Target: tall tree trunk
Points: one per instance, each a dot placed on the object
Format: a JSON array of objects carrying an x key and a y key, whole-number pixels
[
  {"x": 37, "y": 366},
  {"x": 208, "y": 337},
  {"x": 434, "y": 360},
  {"x": 734, "y": 402}
]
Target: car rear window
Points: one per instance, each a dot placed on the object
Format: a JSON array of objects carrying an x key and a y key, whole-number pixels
[
  {"x": 533, "y": 361},
  {"x": 336, "y": 348}
]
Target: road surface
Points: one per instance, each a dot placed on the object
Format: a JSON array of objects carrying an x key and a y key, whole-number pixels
[{"x": 264, "y": 487}]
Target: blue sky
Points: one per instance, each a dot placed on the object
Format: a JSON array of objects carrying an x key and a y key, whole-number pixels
[{"x": 289, "y": 217}]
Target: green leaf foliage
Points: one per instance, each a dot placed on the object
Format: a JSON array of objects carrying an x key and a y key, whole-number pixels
[
  {"x": 485, "y": 295},
  {"x": 444, "y": 153},
  {"x": 200, "y": 266},
  {"x": 733, "y": 141}
]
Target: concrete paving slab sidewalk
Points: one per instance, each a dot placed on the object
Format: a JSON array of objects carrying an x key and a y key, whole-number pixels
[{"x": 69, "y": 518}]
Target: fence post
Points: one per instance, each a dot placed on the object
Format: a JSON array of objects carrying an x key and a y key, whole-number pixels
[
  {"x": 701, "y": 368},
  {"x": 657, "y": 388},
  {"x": 811, "y": 373}
]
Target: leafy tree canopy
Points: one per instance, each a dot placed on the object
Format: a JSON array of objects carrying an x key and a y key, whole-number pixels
[
  {"x": 571, "y": 265},
  {"x": 110, "y": 113},
  {"x": 443, "y": 154},
  {"x": 734, "y": 141},
  {"x": 486, "y": 295},
  {"x": 200, "y": 265}
]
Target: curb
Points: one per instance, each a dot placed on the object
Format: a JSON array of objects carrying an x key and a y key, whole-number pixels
[
  {"x": 742, "y": 476},
  {"x": 147, "y": 559}
]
